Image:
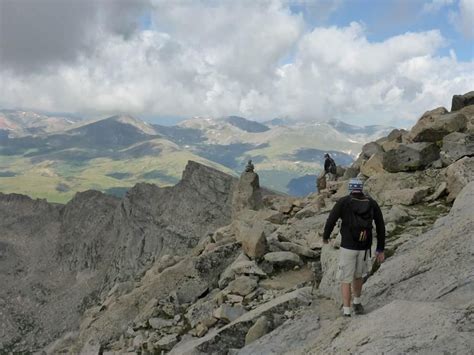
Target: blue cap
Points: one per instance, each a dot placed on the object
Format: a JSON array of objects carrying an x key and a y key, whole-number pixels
[{"x": 356, "y": 185}]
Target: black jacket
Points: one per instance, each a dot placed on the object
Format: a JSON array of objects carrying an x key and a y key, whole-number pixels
[
  {"x": 342, "y": 209},
  {"x": 328, "y": 163}
]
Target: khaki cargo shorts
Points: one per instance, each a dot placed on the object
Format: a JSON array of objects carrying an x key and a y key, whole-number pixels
[{"x": 351, "y": 265}]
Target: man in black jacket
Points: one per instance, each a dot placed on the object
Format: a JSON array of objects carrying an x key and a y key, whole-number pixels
[
  {"x": 330, "y": 168},
  {"x": 357, "y": 212}
]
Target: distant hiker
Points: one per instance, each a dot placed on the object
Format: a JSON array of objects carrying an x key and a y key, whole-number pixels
[
  {"x": 357, "y": 212},
  {"x": 330, "y": 168},
  {"x": 249, "y": 168}
]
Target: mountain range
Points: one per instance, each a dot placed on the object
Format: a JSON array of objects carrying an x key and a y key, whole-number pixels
[{"x": 54, "y": 156}]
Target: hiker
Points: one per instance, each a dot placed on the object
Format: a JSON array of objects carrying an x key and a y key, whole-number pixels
[
  {"x": 357, "y": 212},
  {"x": 330, "y": 168}
]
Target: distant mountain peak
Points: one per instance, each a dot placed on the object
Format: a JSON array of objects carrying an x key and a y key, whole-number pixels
[
  {"x": 347, "y": 128},
  {"x": 143, "y": 126},
  {"x": 246, "y": 125}
]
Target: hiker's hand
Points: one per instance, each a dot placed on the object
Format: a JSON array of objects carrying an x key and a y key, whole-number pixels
[{"x": 380, "y": 256}]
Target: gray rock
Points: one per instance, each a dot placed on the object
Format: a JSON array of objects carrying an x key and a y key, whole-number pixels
[
  {"x": 329, "y": 286},
  {"x": 308, "y": 211},
  {"x": 374, "y": 165},
  {"x": 138, "y": 341},
  {"x": 396, "y": 135},
  {"x": 247, "y": 194},
  {"x": 241, "y": 266},
  {"x": 405, "y": 196},
  {"x": 378, "y": 186},
  {"x": 201, "y": 330},
  {"x": 277, "y": 218},
  {"x": 254, "y": 243},
  {"x": 350, "y": 173},
  {"x": 228, "y": 313},
  {"x": 298, "y": 249},
  {"x": 410, "y": 157},
  {"x": 285, "y": 259},
  {"x": 458, "y": 175},
  {"x": 370, "y": 149},
  {"x": 200, "y": 312},
  {"x": 439, "y": 192},
  {"x": 242, "y": 285},
  {"x": 321, "y": 182},
  {"x": 396, "y": 215},
  {"x": 434, "y": 125},
  {"x": 158, "y": 323},
  {"x": 167, "y": 342},
  {"x": 247, "y": 267},
  {"x": 455, "y": 146},
  {"x": 256, "y": 331},
  {"x": 287, "y": 338},
  {"x": 460, "y": 101}
]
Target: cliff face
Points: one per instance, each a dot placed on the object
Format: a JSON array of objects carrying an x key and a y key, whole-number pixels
[{"x": 58, "y": 260}]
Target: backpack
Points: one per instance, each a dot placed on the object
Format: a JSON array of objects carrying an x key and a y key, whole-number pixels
[{"x": 361, "y": 225}]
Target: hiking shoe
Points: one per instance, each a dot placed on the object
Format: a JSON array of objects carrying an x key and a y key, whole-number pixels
[
  {"x": 346, "y": 315},
  {"x": 358, "y": 308}
]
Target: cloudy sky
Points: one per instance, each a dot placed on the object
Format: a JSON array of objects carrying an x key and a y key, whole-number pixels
[{"x": 358, "y": 60}]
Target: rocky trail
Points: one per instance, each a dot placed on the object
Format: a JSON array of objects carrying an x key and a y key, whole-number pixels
[{"x": 217, "y": 265}]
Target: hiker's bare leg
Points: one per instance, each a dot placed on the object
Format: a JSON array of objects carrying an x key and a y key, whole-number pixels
[
  {"x": 346, "y": 294},
  {"x": 357, "y": 286}
]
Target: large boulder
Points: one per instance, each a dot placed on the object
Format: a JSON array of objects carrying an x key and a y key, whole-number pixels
[
  {"x": 370, "y": 149},
  {"x": 351, "y": 172},
  {"x": 242, "y": 285},
  {"x": 386, "y": 186},
  {"x": 252, "y": 237},
  {"x": 247, "y": 194},
  {"x": 459, "y": 175},
  {"x": 434, "y": 125},
  {"x": 406, "y": 196},
  {"x": 410, "y": 157},
  {"x": 374, "y": 165},
  {"x": 321, "y": 182},
  {"x": 288, "y": 337},
  {"x": 329, "y": 286},
  {"x": 455, "y": 146},
  {"x": 460, "y": 101},
  {"x": 396, "y": 215},
  {"x": 468, "y": 111},
  {"x": 259, "y": 329},
  {"x": 286, "y": 259}
]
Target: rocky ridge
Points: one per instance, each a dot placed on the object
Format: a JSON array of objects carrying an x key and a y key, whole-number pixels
[{"x": 218, "y": 266}]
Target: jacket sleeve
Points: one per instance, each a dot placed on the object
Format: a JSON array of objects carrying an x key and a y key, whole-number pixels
[
  {"x": 379, "y": 226},
  {"x": 327, "y": 163},
  {"x": 332, "y": 219}
]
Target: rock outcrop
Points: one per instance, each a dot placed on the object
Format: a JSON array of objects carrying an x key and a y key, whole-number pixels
[
  {"x": 460, "y": 101},
  {"x": 436, "y": 124},
  {"x": 410, "y": 157},
  {"x": 68, "y": 257}
]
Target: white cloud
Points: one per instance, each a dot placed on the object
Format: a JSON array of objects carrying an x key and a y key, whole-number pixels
[
  {"x": 249, "y": 58},
  {"x": 436, "y": 5},
  {"x": 463, "y": 19}
]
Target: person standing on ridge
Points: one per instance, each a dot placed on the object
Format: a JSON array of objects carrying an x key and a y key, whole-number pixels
[
  {"x": 357, "y": 212},
  {"x": 330, "y": 168}
]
